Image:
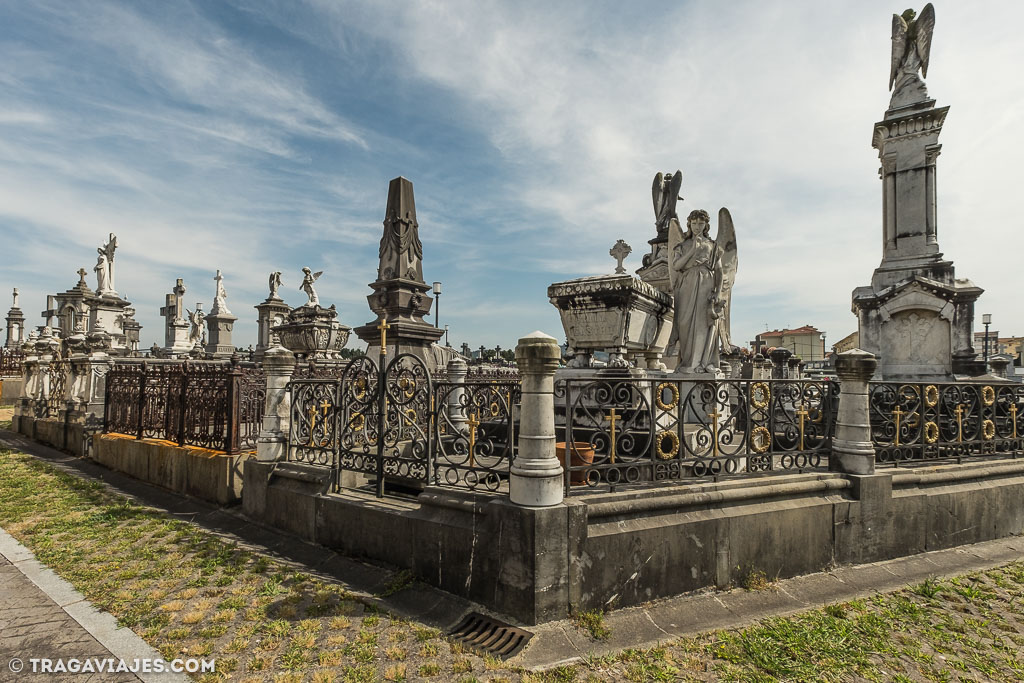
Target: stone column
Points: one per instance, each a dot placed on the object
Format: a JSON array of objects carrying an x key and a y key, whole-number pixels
[
  {"x": 272, "y": 445},
  {"x": 536, "y": 478},
  {"x": 852, "y": 449},
  {"x": 457, "y": 371}
]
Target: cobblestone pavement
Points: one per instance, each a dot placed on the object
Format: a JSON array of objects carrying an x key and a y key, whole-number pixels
[{"x": 33, "y": 625}]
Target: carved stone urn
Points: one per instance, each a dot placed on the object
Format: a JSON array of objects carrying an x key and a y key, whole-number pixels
[{"x": 313, "y": 333}]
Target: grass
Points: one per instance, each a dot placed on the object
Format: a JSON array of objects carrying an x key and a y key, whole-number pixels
[{"x": 189, "y": 593}]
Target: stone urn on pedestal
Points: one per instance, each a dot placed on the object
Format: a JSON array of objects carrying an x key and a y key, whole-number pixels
[{"x": 313, "y": 333}]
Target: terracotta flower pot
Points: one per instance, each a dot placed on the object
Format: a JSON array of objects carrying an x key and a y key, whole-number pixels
[{"x": 582, "y": 456}]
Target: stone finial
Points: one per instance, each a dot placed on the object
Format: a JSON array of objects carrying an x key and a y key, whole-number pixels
[
  {"x": 82, "y": 272},
  {"x": 619, "y": 252},
  {"x": 15, "y": 304}
]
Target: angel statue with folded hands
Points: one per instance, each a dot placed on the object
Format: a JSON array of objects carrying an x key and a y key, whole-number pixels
[{"x": 702, "y": 272}]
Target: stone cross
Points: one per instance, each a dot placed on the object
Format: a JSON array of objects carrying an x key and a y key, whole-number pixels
[
  {"x": 15, "y": 304},
  {"x": 82, "y": 272},
  {"x": 619, "y": 252}
]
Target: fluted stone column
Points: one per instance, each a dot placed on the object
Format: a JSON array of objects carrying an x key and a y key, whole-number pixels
[
  {"x": 457, "y": 370},
  {"x": 272, "y": 445},
  {"x": 536, "y": 475},
  {"x": 852, "y": 449}
]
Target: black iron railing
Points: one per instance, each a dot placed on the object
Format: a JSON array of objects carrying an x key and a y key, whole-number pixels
[
  {"x": 216, "y": 405},
  {"x": 918, "y": 422},
  {"x": 11, "y": 362},
  {"x": 634, "y": 431}
]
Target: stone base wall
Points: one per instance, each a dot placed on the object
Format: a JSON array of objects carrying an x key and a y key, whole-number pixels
[
  {"x": 616, "y": 550},
  {"x": 205, "y": 474},
  {"x": 10, "y": 390},
  {"x": 54, "y": 431}
]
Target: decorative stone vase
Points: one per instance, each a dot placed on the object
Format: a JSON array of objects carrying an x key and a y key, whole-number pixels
[
  {"x": 312, "y": 332},
  {"x": 619, "y": 314},
  {"x": 582, "y": 456}
]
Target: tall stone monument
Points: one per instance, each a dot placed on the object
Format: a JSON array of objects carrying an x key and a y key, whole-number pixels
[
  {"x": 220, "y": 323},
  {"x": 176, "y": 341},
  {"x": 15, "y": 324},
  {"x": 273, "y": 311},
  {"x": 106, "y": 307},
  {"x": 399, "y": 292},
  {"x": 916, "y": 316}
]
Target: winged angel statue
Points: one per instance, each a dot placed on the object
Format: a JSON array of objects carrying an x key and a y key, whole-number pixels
[
  {"x": 911, "y": 45},
  {"x": 702, "y": 272},
  {"x": 308, "y": 278}
]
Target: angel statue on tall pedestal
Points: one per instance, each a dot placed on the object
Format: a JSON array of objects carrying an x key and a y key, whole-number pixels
[
  {"x": 308, "y": 278},
  {"x": 275, "y": 282},
  {"x": 196, "y": 318},
  {"x": 666, "y": 194},
  {"x": 911, "y": 45},
  {"x": 702, "y": 272}
]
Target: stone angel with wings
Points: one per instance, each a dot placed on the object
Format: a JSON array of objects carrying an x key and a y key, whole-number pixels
[
  {"x": 911, "y": 47},
  {"x": 702, "y": 272},
  {"x": 308, "y": 278}
]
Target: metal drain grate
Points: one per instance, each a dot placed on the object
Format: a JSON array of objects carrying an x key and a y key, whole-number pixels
[{"x": 490, "y": 636}]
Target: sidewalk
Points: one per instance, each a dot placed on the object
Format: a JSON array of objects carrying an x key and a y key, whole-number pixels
[{"x": 43, "y": 617}]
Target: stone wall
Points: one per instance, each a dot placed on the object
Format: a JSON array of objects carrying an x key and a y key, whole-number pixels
[
  {"x": 616, "y": 550},
  {"x": 209, "y": 475},
  {"x": 10, "y": 390}
]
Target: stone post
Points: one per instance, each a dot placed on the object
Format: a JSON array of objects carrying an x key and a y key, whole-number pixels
[
  {"x": 457, "y": 371},
  {"x": 852, "y": 449},
  {"x": 536, "y": 475},
  {"x": 272, "y": 445}
]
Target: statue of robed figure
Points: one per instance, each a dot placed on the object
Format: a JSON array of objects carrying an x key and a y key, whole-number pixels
[
  {"x": 702, "y": 272},
  {"x": 911, "y": 47}
]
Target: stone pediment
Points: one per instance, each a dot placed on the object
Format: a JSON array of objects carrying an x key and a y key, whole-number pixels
[{"x": 916, "y": 292}]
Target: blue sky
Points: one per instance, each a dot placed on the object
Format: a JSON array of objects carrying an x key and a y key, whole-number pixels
[{"x": 258, "y": 136}]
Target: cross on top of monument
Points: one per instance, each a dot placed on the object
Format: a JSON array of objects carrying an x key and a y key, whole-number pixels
[
  {"x": 619, "y": 252},
  {"x": 82, "y": 272}
]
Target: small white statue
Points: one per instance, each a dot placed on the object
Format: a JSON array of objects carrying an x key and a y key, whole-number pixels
[{"x": 309, "y": 277}]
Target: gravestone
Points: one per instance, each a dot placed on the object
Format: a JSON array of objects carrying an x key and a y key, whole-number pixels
[
  {"x": 15, "y": 324},
  {"x": 220, "y": 323},
  {"x": 916, "y": 316},
  {"x": 176, "y": 326},
  {"x": 399, "y": 295}
]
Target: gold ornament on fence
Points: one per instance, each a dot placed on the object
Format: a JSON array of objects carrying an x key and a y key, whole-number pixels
[
  {"x": 760, "y": 395},
  {"x": 988, "y": 429},
  {"x": 671, "y": 452},
  {"x": 675, "y": 396},
  {"x": 988, "y": 395},
  {"x": 931, "y": 432},
  {"x": 931, "y": 396},
  {"x": 760, "y": 439}
]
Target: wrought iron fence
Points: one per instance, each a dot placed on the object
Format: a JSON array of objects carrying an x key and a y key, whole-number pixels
[
  {"x": 11, "y": 361},
  {"x": 215, "y": 405},
  {"x": 628, "y": 431},
  {"x": 916, "y": 422},
  {"x": 400, "y": 427}
]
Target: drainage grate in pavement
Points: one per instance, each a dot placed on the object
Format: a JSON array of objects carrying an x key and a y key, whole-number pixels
[{"x": 488, "y": 635}]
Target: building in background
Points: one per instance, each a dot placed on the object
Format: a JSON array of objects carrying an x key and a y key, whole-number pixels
[
  {"x": 807, "y": 342},
  {"x": 847, "y": 343}
]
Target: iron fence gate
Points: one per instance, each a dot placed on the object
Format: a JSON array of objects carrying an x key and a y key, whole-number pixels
[{"x": 401, "y": 427}]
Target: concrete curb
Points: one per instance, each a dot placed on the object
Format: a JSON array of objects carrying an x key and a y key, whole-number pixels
[{"x": 123, "y": 643}]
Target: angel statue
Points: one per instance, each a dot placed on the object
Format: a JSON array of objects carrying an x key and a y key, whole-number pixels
[
  {"x": 911, "y": 45},
  {"x": 308, "y": 278},
  {"x": 196, "y": 318},
  {"x": 275, "y": 282},
  {"x": 702, "y": 272},
  {"x": 666, "y": 193}
]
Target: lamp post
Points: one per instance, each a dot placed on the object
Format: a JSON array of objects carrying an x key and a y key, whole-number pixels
[
  {"x": 437, "y": 303},
  {"x": 987, "y": 320}
]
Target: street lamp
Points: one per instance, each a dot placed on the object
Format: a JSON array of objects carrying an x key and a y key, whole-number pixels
[
  {"x": 987, "y": 320},
  {"x": 437, "y": 304}
]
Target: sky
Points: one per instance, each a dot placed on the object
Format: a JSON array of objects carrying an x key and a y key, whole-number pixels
[{"x": 252, "y": 136}]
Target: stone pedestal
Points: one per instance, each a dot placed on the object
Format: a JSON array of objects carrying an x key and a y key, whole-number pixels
[
  {"x": 536, "y": 477},
  {"x": 220, "y": 325},
  {"x": 272, "y": 444},
  {"x": 916, "y": 316},
  {"x": 852, "y": 449},
  {"x": 106, "y": 314},
  {"x": 270, "y": 314},
  {"x": 15, "y": 328},
  {"x": 313, "y": 333},
  {"x": 619, "y": 314}
]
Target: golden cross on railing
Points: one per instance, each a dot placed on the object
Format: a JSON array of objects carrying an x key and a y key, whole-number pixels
[
  {"x": 473, "y": 423},
  {"x": 612, "y": 419},
  {"x": 383, "y": 327},
  {"x": 713, "y": 416},
  {"x": 960, "y": 422},
  {"x": 313, "y": 412},
  {"x": 324, "y": 405},
  {"x": 897, "y": 414},
  {"x": 1013, "y": 418},
  {"x": 802, "y": 412}
]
